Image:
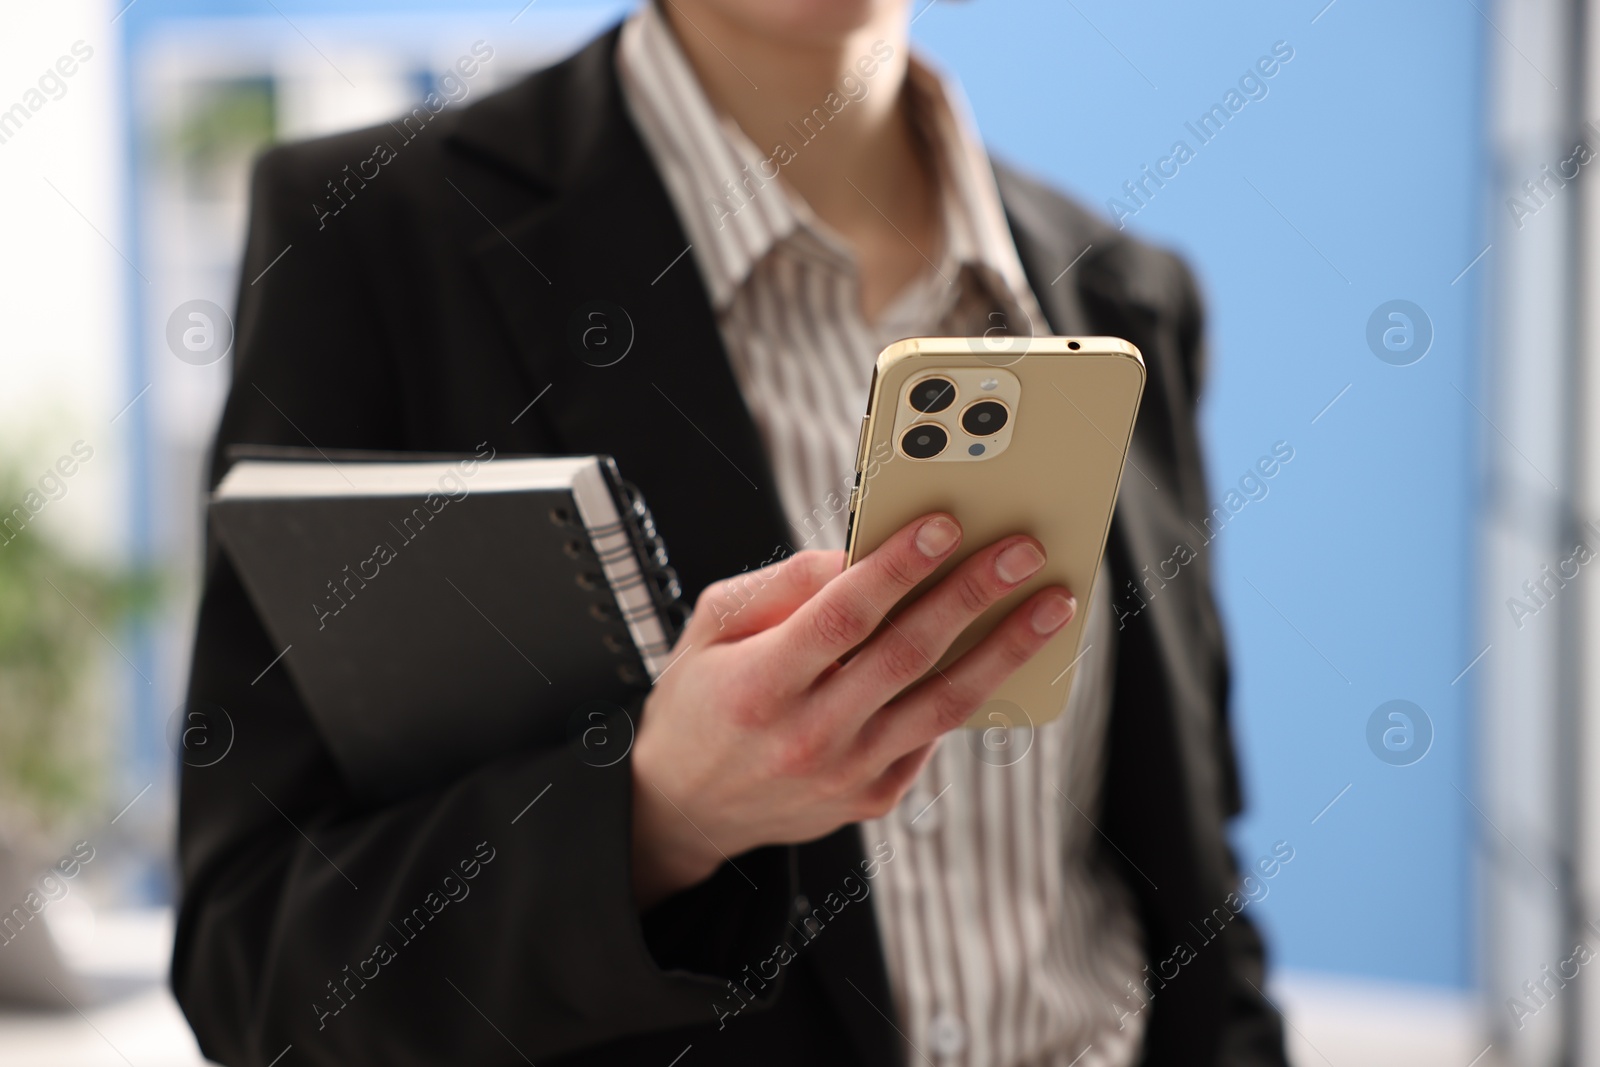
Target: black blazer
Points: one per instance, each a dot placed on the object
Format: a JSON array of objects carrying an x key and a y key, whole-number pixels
[{"x": 423, "y": 310}]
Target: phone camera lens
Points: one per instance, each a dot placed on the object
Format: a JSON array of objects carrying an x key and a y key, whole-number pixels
[
  {"x": 924, "y": 441},
  {"x": 933, "y": 394},
  {"x": 985, "y": 418}
]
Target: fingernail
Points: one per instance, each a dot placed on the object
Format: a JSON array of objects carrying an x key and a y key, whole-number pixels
[
  {"x": 937, "y": 536},
  {"x": 1017, "y": 562},
  {"x": 1052, "y": 613}
]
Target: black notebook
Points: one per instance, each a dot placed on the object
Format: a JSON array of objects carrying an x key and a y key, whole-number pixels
[{"x": 435, "y": 615}]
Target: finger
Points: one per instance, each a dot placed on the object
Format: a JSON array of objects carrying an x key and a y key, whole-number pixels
[
  {"x": 910, "y": 646},
  {"x": 755, "y": 600},
  {"x": 849, "y": 608},
  {"x": 948, "y": 699}
]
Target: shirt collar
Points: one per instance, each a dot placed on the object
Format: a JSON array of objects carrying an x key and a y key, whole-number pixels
[{"x": 734, "y": 209}]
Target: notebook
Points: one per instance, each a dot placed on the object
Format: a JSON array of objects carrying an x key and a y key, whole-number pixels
[{"x": 437, "y": 614}]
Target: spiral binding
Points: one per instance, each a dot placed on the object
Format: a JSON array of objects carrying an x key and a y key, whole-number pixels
[
  {"x": 665, "y": 588},
  {"x": 634, "y": 538}
]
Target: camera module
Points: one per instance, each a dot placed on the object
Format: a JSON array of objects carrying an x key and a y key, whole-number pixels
[{"x": 924, "y": 441}]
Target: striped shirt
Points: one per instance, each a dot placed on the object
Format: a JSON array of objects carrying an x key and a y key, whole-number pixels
[{"x": 1008, "y": 938}]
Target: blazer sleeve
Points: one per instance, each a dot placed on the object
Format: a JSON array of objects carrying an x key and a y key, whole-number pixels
[
  {"x": 1252, "y": 1033},
  {"x": 490, "y": 921}
]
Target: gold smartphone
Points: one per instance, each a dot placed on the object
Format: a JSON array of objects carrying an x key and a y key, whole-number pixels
[{"x": 1009, "y": 435}]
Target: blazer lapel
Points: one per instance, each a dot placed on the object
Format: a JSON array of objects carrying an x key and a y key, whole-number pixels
[{"x": 600, "y": 293}]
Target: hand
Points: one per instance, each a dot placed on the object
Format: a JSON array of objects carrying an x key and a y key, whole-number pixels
[{"x": 758, "y": 734}]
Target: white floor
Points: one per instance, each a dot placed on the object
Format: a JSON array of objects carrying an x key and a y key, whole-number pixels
[
  {"x": 1343, "y": 1023},
  {"x": 1333, "y": 1022},
  {"x": 142, "y": 1030},
  {"x": 145, "y": 1031}
]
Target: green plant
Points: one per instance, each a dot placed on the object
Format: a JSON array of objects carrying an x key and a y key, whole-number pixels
[
  {"x": 223, "y": 123},
  {"x": 52, "y": 603}
]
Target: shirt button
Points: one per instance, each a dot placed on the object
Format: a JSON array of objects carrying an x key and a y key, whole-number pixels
[{"x": 947, "y": 1034}]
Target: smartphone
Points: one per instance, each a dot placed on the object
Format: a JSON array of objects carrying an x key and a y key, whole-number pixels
[{"x": 1009, "y": 435}]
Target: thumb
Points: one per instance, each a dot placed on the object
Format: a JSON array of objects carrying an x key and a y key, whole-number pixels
[{"x": 758, "y": 600}]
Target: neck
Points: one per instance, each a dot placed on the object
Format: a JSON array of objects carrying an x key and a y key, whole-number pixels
[{"x": 837, "y": 102}]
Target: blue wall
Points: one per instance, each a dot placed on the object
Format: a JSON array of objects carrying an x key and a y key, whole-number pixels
[{"x": 1365, "y": 157}]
